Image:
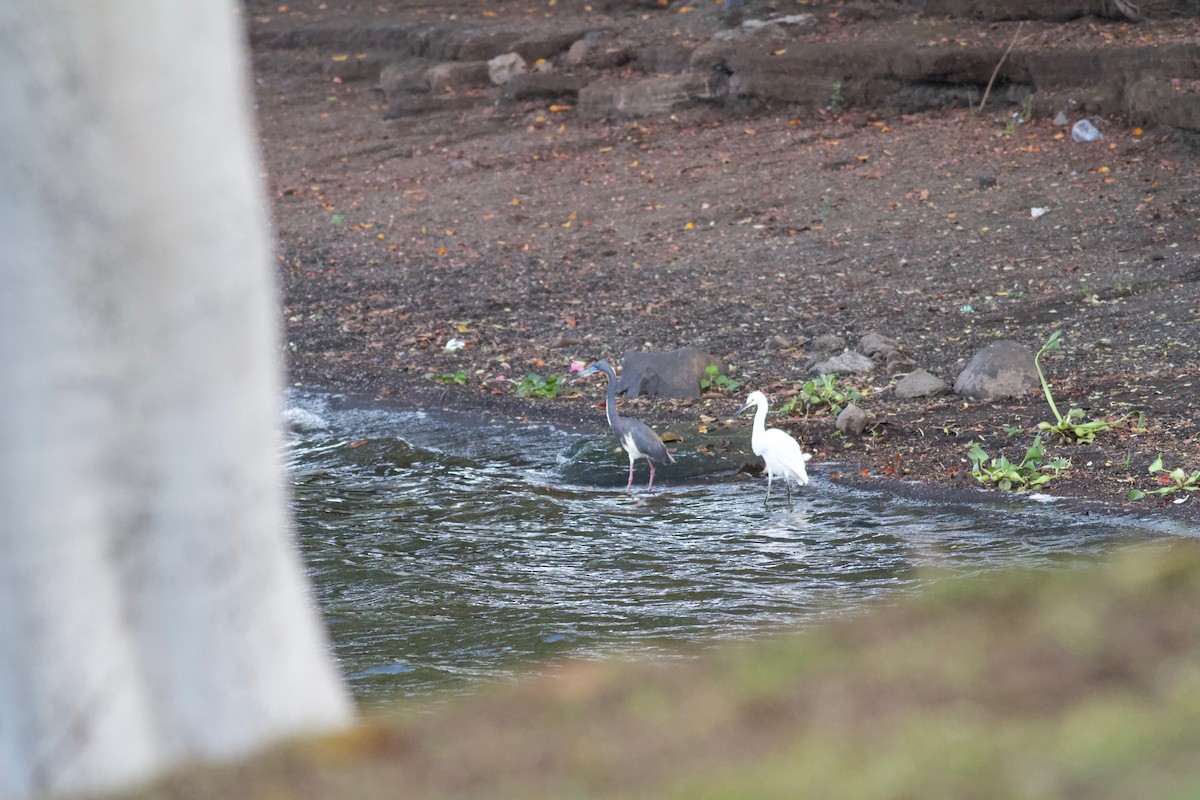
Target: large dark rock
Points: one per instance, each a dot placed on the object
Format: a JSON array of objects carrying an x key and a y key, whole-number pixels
[
  {"x": 1002, "y": 369},
  {"x": 670, "y": 373}
]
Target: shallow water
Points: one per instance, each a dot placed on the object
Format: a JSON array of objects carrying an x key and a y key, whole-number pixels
[{"x": 449, "y": 550}]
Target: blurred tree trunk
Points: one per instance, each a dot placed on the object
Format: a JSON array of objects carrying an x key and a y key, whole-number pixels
[{"x": 153, "y": 607}]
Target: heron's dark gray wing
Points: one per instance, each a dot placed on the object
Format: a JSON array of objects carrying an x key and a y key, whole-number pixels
[{"x": 646, "y": 440}]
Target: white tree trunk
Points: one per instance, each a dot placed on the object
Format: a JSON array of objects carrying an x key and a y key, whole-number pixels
[{"x": 152, "y": 605}]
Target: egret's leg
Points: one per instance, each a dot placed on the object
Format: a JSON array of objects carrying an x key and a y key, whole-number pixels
[
  {"x": 629, "y": 486},
  {"x": 770, "y": 476},
  {"x": 651, "y": 463}
]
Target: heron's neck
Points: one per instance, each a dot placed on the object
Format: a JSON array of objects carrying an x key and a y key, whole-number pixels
[{"x": 610, "y": 400}]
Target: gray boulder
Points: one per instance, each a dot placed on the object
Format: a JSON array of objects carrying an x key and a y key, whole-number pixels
[
  {"x": 920, "y": 383},
  {"x": 664, "y": 373},
  {"x": 852, "y": 421},
  {"x": 846, "y": 363},
  {"x": 1002, "y": 369}
]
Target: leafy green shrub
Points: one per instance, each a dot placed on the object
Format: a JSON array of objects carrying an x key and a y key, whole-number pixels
[
  {"x": 1032, "y": 472},
  {"x": 714, "y": 381},
  {"x": 1170, "y": 481},
  {"x": 534, "y": 385},
  {"x": 823, "y": 392},
  {"x": 1070, "y": 427},
  {"x": 459, "y": 378}
]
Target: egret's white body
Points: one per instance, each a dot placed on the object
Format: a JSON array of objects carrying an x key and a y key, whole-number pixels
[{"x": 779, "y": 451}]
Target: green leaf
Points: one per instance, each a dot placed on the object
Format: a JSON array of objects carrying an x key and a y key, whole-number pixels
[
  {"x": 1156, "y": 466},
  {"x": 1136, "y": 494}
]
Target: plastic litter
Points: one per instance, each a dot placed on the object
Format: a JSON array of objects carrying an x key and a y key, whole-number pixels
[{"x": 1084, "y": 131}]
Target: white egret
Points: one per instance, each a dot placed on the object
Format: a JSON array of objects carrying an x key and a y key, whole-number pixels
[{"x": 779, "y": 450}]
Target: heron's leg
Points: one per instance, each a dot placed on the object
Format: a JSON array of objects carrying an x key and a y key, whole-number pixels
[
  {"x": 788, "y": 482},
  {"x": 651, "y": 463},
  {"x": 629, "y": 486}
]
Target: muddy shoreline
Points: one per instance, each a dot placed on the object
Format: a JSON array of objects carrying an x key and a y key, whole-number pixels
[{"x": 539, "y": 236}]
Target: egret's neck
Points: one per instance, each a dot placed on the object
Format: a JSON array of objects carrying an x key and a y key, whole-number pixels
[{"x": 760, "y": 422}]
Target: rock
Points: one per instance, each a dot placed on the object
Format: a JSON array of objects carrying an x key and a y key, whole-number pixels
[
  {"x": 502, "y": 68},
  {"x": 482, "y": 45},
  {"x": 847, "y": 362},
  {"x": 664, "y": 373},
  {"x": 899, "y": 364},
  {"x": 828, "y": 345},
  {"x": 664, "y": 59},
  {"x": 407, "y": 76},
  {"x": 1060, "y": 119},
  {"x": 791, "y": 21},
  {"x": 547, "y": 45},
  {"x": 852, "y": 421},
  {"x": 648, "y": 97},
  {"x": 578, "y": 52},
  {"x": 457, "y": 74},
  {"x": 877, "y": 346},
  {"x": 542, "y": 86},
  {"x": 920, "y": 383},
  {"x": 986, "y": 180},
  {"x": 1002, "y": 369}
]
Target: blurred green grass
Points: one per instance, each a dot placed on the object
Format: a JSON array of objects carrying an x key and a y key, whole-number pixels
[{"x": 1077, "y": 683}]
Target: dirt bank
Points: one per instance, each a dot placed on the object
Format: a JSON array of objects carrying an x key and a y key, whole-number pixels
[{"x": 540, "y": 230}]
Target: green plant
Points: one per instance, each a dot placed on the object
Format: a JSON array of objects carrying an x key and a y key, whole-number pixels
[
  {"x": 1170, "y": 481},
  {"x": 534, "y": 385},
  {"x": 822, "y": 392},
  {"x": 1031, "y": 472},
  {"x": 837, "y": 102},
  {"x": 713, "y": 381},
  {"x": 459, "y": 377},
  {"x": 1070, "y": 427}
]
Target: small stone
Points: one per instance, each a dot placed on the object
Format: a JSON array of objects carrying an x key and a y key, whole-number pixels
[
  {"x": 876, "y": 345},
  {"x": 847, "y": 363},
  {"x": 899, "y": 364},
  {"x": 502, "y": 68},
  {"x": 852, "y": 421},
  {"x": 828, "y": 345},
  {"x": 987, "y": 180},
  {"x": 577, "y": 53},
  {"x": 920, "y": 383}
]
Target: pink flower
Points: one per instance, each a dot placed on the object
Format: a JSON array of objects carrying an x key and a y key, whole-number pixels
[{"x": 576, "y": 366}]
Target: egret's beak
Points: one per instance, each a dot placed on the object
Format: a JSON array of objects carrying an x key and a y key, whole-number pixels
[{"x": 743, "y": 408}]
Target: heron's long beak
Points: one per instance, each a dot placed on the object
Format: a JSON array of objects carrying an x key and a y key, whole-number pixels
[
  {"x": 585, "y": 373},
  {"x": 743, "y": 408}
]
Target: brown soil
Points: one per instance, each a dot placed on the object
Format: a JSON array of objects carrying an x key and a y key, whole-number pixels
[{"x": 540, "y": 237}]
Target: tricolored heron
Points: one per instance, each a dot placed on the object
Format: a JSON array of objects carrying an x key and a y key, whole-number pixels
[
  {"x": 778, "y": 449},
  {"x": 635, "y": 436}
]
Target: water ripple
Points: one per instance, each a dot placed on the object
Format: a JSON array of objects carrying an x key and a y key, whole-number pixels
[{"x": 447, "y": 550}]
